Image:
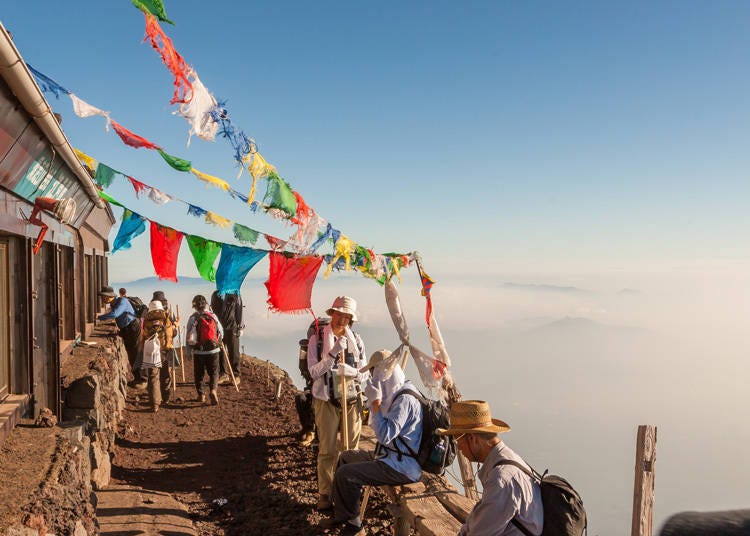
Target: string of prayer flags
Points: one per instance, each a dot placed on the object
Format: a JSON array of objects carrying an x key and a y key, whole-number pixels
[
  {"x": 290, "y": 282},
  {"x": 165, "y": 248},
  {"x": 204, "y": 254},
  {"x": 183, "y": 88},
  {"x": 215, "y": 219},
  {"x": 104, "y": 176},
  {"x": 245, "y": 234},
  {"x": 177, "y": 163},
  {"x": 153, "y": 7},
  {"x": 280, "y": 196},
  {"x": 132, "y": 139},
  {"x": 132, "y": 225},
  {"x": 234, "y": 264}
]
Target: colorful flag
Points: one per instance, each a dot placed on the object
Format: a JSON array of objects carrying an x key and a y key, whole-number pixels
[
  {"x": 165, "y": 248},
  {"x": 132, "y": 225},
  {"x": 138, "y": 186},
  {"x": 245, "y": 234},
  {"x": 83, "y": 109},
  {"x": 280, "y": 196},
  {"x": 234, "y": 264},
  {"x": 109, "y": 199},
  {"x": 177, "y": 163},
  {"x": 215, "y": 219},
  {"x": 197, "y": 112},
  {"x": 159, "y": 197},
  {"x": 183, "y": 89},
  {"x": 131, "y": 139},
  {"x": 46, "y": 84},
  {"x": 204, "y": 253},
  {"x": 104, "y": 175},
  {"x": 210, "y": 179},
  {"x": 153, "y": 7},
  {"x": 290, "y": 282},
  {"x": 198, "y": 212}
]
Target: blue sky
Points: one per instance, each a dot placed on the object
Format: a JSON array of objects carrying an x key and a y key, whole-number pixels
[{"x": 489, "y": 136}]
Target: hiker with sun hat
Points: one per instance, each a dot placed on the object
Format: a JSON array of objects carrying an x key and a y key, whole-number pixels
[{"x": 509, "y": 496}]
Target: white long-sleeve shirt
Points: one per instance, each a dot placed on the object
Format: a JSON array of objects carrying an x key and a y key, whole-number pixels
[
  {"x": 507, "y": 492},
  {"x": 320, "y": 369}
]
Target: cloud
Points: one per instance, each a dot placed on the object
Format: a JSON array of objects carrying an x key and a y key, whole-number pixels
[{"x": 542, "y": 287}]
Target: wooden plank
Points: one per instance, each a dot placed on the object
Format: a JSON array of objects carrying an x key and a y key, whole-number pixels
[
  {"x": 456, "y": 504},
  {"x": 643, "y": 491},
  {"x": 428, "y": 516}
]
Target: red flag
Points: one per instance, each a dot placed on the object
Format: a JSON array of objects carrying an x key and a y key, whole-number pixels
[
  {"x": 138, "y": 186},
  {"x": 183, "y": 88},
  {"x": 129, "y": 138},
  {"x": 290, "y": 282},
  {"x": 165, "y": 248}
]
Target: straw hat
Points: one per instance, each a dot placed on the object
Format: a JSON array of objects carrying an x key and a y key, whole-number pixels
[
  {"x": 345, "y": 305},
  {"x": 155, "y": 305},
  {"x": 472, "y": 416},
  {"x": 376, "y": 359},
  {"x": 107, "y": 291}
]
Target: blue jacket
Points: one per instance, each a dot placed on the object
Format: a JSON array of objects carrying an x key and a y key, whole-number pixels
[
  {"x": 404, "y": 420},
  {"x": 122, "y": 312}
]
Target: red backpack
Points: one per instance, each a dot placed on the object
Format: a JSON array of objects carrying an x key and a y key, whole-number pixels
[{"x": 207, "y": 332}]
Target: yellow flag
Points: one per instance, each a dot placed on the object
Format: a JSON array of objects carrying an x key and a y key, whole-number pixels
[
  {"x": 344, "y": 248},
  {"x": 86, "y": 159},
  {"x": 224, "y": 185},
  {"x": 215, "y": 219}
]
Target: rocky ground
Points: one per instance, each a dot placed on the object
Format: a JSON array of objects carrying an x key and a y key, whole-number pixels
[{"x": 237, "y": 466}]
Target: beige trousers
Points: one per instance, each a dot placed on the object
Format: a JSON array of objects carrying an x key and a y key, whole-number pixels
[{"x": 328, "y": 421}]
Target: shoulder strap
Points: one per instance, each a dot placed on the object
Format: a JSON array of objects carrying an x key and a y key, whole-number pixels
[{"x": 531, "y": 475}]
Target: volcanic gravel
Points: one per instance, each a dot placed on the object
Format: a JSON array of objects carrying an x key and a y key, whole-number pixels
[{"x": 238, "y": 466}]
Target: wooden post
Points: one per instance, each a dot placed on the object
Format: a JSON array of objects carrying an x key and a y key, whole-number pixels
[
  {"x": 467, "y": 475},
  {"x": 243, "y": 349},
  {"x": 268, "y": 371},
  {"x": 179, "y": 341},
  {"x": 344, "y": 415},
  {"x": 643, "y": 491}
]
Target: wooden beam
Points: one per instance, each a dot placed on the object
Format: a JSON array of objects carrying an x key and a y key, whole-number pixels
[{"x": 643, "y": 491}]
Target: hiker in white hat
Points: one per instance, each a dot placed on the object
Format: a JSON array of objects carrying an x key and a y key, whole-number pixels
[
  {"x": 342, "y": 353},
  {"x": 396, "y": 419},
  {"x": 158, "y": 328},
  {"x": 511, "y": 502}
]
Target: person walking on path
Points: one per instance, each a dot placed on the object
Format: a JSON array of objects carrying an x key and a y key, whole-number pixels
[
  {"x": 509, "y": 496},
  {"x": 157, "y": 323},
  {"x": 121, "y": 311},
  {"x": 204, "y": 335},
  {"x": 342, "y": 353},
  {"x": 229, "y": 310},
  {"x": 397, "y": 423}
]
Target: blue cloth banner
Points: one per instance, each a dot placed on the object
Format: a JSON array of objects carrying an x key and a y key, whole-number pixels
[
  {"x": 198, "y": 212},
  {"x": 132, "y": 225},
  {"x": 46, "y": 84},
  {"x": 234, "y": 264}
]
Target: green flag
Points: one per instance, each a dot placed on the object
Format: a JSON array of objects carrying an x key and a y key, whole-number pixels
[
  {"x": 204, "y": 253},
  {"x": 104, "y": 175},
  {"x": 153, "y": 7},
  {"x": 245, "y": 234},
  {"x": 279, "y": 195},
  {"x": 177, "y": 163},
  {"x": 109, "y": 199}
]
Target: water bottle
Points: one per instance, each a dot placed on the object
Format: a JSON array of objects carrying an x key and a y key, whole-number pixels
[{"x": 438, "y": 453}]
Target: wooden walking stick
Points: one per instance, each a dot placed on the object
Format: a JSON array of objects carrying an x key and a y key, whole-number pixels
[
  {"x": 344, "y": 411},
  {"x": 229, "y": 366},
  {"x": 179, "y": 341}
]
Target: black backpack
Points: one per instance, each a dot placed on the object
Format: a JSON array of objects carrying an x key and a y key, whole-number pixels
[
  {"x": 139, "y": 307},
  {"x": 436, "y": 452},
  {"x": 564, "y": 514}
]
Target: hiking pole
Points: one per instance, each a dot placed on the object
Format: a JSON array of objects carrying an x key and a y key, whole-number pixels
[
  {"x": 229, "y": 366},
  {"x": 344, "y": 411},
  {"x": 179, "y": 341}
]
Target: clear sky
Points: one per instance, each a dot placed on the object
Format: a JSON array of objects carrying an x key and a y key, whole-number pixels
[{"x": 488, "y": 135}]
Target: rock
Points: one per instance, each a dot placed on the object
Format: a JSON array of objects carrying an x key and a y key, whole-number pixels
[
  {"x": 79, "y": 530},
  {"x": 46, "y": 419},
  {"x": 101, "y": 466},
  {"x": 83, "y": 393}
]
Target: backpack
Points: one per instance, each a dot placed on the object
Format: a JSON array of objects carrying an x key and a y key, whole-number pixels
[
  {"x": 564, "y": 514},
  {"x": 207, "y": 332},
  {"x": 436, "y": 452},
  {"x": 316, "y": 327},
  {"x": 152, "y": 352},
  {"x": 155, "y": 323},
  {"x": 139, "y": 307}
]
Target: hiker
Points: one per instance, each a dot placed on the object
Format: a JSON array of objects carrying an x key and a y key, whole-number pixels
[
  {"x": 397, "y": 423},
  {"x": 159, "y": 296},
  {"x": 158, "y": 332},
  {"x": 338, "y": 340},
  {"x": 204, "y": 334},
  {"x": 123, "y": 292},
  {"x": 229, "y": 310},
  {"x": 510, "y": 497},
  {"x": 129, "y": 329}
]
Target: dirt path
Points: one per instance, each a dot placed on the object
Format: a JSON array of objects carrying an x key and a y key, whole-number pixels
[{"x": 237, "y": 467}]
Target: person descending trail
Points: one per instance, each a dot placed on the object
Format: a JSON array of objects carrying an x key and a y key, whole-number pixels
[
  {"x": 158, "y": 353},
  {"x": 204, "y": 335}
]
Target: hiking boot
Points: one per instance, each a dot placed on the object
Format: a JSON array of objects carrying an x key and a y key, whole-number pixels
[
  {"x": 331, "y": 522},
  {"x": 224, "y": 379},
  {"x": 352, "y": 530},
  {"x": 214, "y": 398},
  {"x": 324, "y": 503},
  {"x": 237, "y": 379},
  {"x": 201, "y": 398},
  {"x": 155, "y": 408},
  {"x": 307, "y": 439}
]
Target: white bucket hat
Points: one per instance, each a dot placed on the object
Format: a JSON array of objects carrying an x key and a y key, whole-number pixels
[
  {"x": 345, "y": 305},
  {"x": 155, "y": 305}
]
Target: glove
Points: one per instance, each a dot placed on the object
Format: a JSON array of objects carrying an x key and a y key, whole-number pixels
[
  {"x": 373, "y": 393},
  {"x": 338, "y": 347},
  {"x": 347, "y": 370}
]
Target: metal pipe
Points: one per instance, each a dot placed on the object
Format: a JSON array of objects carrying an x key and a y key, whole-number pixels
[{"x": 20, "y": 81}]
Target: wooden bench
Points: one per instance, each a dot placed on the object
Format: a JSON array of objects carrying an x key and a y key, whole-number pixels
[{"x": 430, "y": 507}]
